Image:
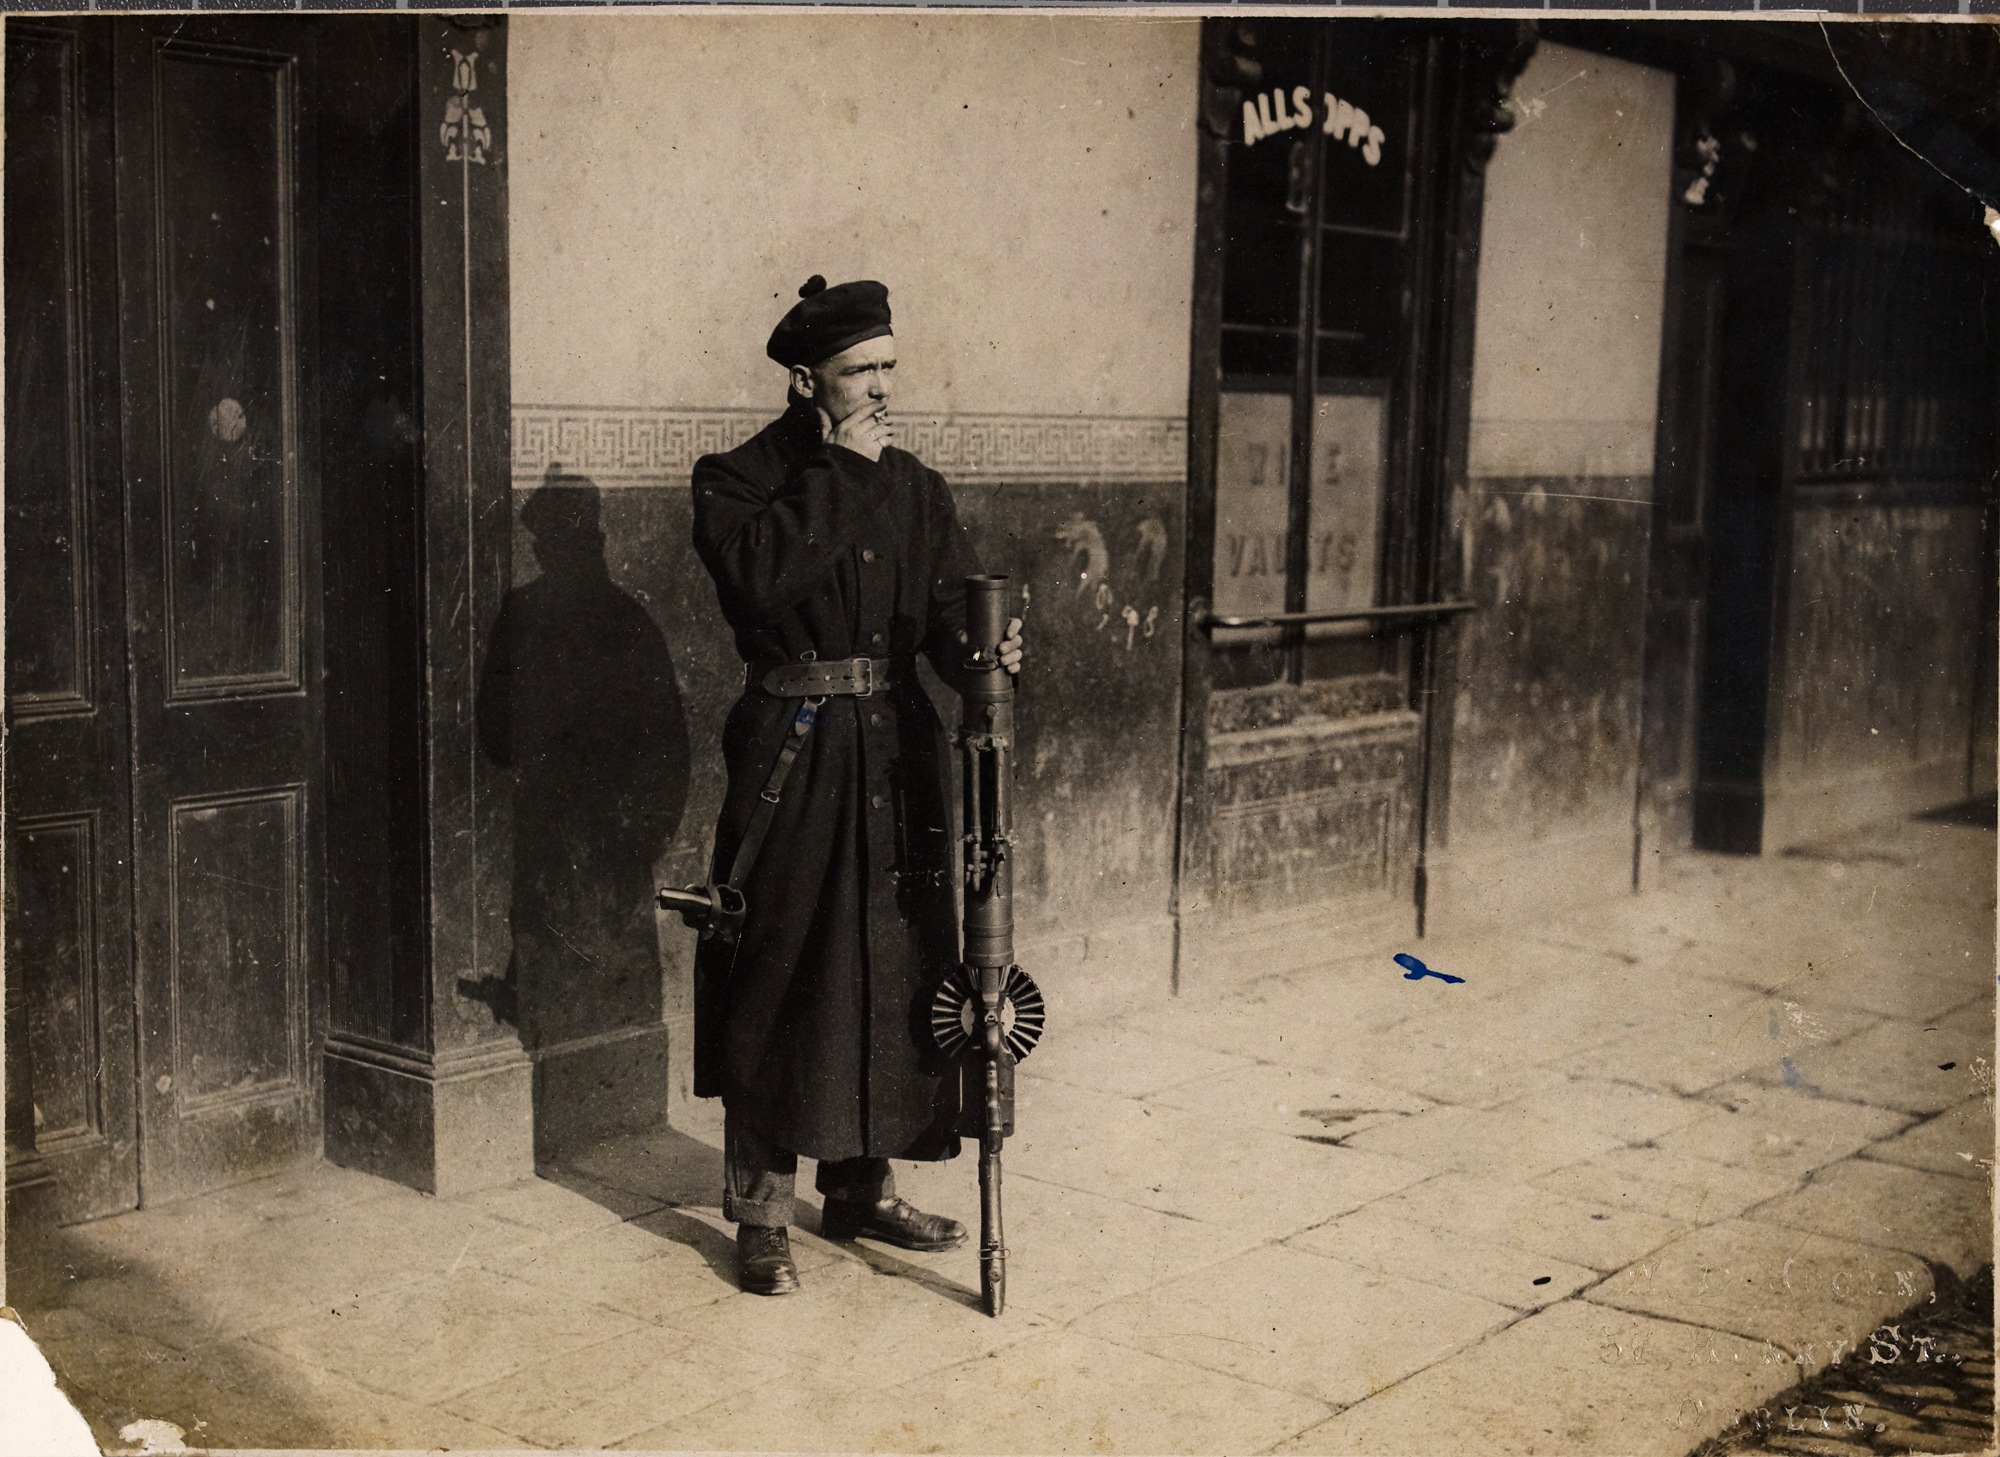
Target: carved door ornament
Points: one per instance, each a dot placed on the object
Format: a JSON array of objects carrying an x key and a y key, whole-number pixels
[{"x": 464, "y": 133}]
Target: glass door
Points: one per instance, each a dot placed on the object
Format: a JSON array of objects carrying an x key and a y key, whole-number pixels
[{"x": 1331, "y": 361}]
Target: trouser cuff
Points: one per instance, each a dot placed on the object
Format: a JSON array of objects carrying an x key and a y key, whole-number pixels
[
  {"x": 856, "y": 1181},
  {"x": 768, "y": 1213},
  {"x": 757, "y": 1177}
]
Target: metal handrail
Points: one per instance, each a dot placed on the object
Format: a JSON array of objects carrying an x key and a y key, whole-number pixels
[{"x": 1412, "y": 612}]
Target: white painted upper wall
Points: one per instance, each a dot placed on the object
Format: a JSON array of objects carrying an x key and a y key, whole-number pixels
[
  {"x": 1572, "y": 271},
  {"x": 1023, "y": 184}
]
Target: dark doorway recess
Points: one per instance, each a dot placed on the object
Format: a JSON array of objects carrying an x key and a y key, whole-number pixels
[{"x": 1821, "y": 614}]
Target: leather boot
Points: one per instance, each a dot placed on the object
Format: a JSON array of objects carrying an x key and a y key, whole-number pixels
[
  {"x": 764, "y": 1260},
  {"x": 893, "y": 1221}
]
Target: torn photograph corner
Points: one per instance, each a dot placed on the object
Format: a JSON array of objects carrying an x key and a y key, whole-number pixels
[{"x": 1297, "y": 713}]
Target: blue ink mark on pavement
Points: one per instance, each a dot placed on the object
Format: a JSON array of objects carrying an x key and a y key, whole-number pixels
[
  {"x": 1415, "y": 970},
  {"x": 1796, "y": 1079}
]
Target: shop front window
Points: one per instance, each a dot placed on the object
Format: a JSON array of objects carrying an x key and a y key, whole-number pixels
[{"x": 1318, "y": 280}]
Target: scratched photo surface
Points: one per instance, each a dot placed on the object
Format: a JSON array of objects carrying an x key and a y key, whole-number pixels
[{"x": 1503, "y": 518}]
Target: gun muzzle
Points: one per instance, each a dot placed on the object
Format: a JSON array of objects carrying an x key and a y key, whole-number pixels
[{"x": 986, "y": 602}]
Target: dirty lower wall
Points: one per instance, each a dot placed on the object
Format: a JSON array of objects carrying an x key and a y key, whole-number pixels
[
  {"x": 1874, "y": 696},
  {"x": 1026, "y": 190},
  {"x": 1555, "y": 512},
  {"x": 1548, "y": 691}
]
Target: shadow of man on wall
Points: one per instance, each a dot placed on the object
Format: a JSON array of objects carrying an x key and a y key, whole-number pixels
[{"x": 580, "y": 698}]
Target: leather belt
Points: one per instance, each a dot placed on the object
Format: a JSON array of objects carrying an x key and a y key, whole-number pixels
[{"x": 851, "y": 677}]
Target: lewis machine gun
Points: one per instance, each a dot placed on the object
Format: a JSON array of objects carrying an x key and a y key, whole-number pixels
[{"x": 988, "y": 1013}]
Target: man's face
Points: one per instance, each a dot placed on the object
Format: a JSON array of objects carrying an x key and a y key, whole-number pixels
[{"x": 851, "y": 379}]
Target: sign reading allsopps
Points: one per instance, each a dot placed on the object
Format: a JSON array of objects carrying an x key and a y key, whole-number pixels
[{"x": 1269, "y": 114}]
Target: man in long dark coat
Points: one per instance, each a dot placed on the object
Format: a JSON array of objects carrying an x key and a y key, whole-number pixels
[{"x": 828, "y": 546}]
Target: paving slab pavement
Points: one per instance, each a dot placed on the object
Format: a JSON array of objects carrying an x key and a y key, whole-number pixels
[
  {"x": 1060, "y": 1391},
  {"x": 1932, "y": 1390},
  {"x": 1071, "y": 1251},
  {"x": 1914, "y": 1066},
  {"x": 1958, "y": 1141},
  {"x": 1126, "y": 1063},
  {"x": 1506, "y": 1142},
  {"x": 863, "y": 1327},
  {"x": 1526, "y": 1217},
  {"x": 1712, "y": 1033},
  {"x": 1810, "y": 1296},
  {"x": 1294, "y": 1102},
  {"x": 1575, "y": 1378},
  {"x": 430, "y": 1340},
  {"x": 1175, "y": 1161},
  {"x": 1632, "y": 1114},
  {"x": 1779, "y": 1130},
  {"x": 1299, "y": 1321},
  {"x": 600, "y": 1395},
  {"x": 1935, "y": 1216},
  {"x": 1636, "y": 1174},
  {"x": 656, "y": 1262},
  {"x": 1379, "y": 1238},
  {"x": 1673, "y": 1186},
  {"x": 236, "y": 1393}
]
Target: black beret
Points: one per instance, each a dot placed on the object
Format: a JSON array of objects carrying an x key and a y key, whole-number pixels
[{"x": 827, "y": 320}]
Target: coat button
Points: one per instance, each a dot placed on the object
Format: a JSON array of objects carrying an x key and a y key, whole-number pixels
[
  {"x": 875, "y": 720},
  {"x": 868, "y": 553},
  {"x": 875, "y": 638},
  {"x": 876, "y": 801}
]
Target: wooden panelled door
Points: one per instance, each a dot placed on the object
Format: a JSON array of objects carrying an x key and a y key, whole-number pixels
[
  {"x": 163, "y": 642},
  {"x": 223, "y": 580},
  {"x": 72, "y": 1140}
]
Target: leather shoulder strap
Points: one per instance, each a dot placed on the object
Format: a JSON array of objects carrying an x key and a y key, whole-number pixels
[{"x": 767, "y": 797}]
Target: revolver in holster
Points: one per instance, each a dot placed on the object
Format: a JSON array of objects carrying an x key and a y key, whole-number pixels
[{"x": 714, "y": 910}]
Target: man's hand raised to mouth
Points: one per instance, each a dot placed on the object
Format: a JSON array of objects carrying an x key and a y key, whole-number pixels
[{"x": 865, "y": 431}]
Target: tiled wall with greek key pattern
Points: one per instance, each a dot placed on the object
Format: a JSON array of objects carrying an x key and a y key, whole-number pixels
[{"x": 620, "y": 446}]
